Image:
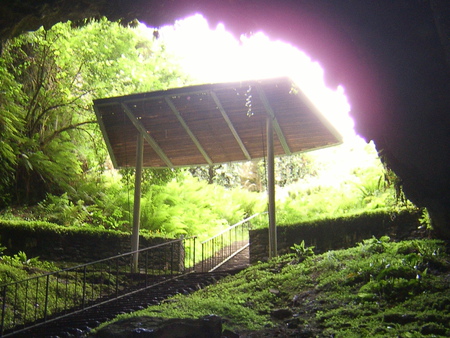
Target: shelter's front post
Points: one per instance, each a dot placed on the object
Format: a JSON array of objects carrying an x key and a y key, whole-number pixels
[
  {"x": 271, "y": 189},
  {"x": 137, "y": 201}
]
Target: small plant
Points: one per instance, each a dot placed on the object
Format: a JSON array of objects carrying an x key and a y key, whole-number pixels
[
  {"x": 374, "y": 245},
  {"x": 425, "y": 220},
  {"x": 302, "y": 251},
  {"x": 22, "y": 258}
]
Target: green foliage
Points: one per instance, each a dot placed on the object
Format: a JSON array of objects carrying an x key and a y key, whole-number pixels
[
  {"x": 291, "y": 169},
  {"x": 227, "y": 174},
  {"x": 30, "y": 299},
  {"x": 378, "y": 288},
  {"x": 193, "y": 207},
  {"x": 425, "y": 220},
  {"x": 252, "y": 175},
  {"x": 52, "y": 152},
  {"x": 374, "y": 245},
  {"x": 185, "y": 206},
  {"x": 61, "y": 210},
  {"x": 302, "y": 251},
  {"x": 50, "y": 139},
  {"x": 21, "y": 258},
  {"x": 363, "y": 191},
  {"x": 43, "y": 228}
]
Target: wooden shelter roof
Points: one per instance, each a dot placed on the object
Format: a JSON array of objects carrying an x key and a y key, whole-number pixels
[{"x": 212, "y": 123}]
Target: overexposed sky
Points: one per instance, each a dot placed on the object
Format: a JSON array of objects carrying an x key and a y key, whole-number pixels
[{"x": 211, "y": 55}]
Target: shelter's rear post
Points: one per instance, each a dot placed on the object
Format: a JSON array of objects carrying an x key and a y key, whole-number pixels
[
  {"x": 271, "y": 189},
  {"x": 137, "y": 201}
]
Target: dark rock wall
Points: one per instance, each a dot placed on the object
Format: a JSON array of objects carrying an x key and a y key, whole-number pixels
[{"x": 392, "y": 57}]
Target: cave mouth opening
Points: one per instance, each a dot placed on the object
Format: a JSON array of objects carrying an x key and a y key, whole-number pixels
[{"x": 213, "y": 55}]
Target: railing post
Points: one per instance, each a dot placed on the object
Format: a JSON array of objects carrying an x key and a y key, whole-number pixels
[
  {"x": 15, "y": 303},
  {"x": 66, "y": 293},
  {"x": 230, "y": 243},
  {"x": 182, "y": 255},
  {"x": 83, "y": 299},
  {"x": 193, "y": 254},
  {"x": 171, "y": 259},
  {"x": 26, "y": 300},
  {"x": 203, "y": 257},
  {"x": 46, "y": 298},
  {"x": 36, "y": 305},
  {"x": 146, "y": 267},
  {"x": 117, "y": 277},
  {"x": 3, "y": 309}
]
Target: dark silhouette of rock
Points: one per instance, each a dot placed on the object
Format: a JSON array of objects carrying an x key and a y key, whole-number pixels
[
  {"x": 153, "y": 327},
  {"x": 281, "y": 313}
]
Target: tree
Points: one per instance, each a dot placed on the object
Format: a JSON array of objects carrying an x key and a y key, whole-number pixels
[{"x": 50, "y": 137}]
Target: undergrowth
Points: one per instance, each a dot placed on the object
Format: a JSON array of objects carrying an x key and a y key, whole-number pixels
[{"x": 377, "y": 288}]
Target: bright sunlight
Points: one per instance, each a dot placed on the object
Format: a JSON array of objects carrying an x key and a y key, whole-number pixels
[{"x": 214, "y": 55}]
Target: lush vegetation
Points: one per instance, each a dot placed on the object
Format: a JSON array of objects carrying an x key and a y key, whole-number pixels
[
  {"x": 31, "y": 292},
  {"x": 378, "y": 288},
  {"x": 50, "y": 139},
  {"x": 54, "y": 165}
]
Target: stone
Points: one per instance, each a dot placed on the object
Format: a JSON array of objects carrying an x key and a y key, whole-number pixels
[
  {"x": 281, "y": 313},
  {"x": 229, "y": 334},
  {"x": 155, "y": 327}
]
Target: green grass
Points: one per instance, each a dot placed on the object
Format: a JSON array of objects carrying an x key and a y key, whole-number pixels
[{"x": 378, "y": 288}]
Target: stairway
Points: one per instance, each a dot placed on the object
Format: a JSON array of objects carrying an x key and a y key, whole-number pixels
[
  {"x": 81, "y": 323},
  {"x": 139, "y": 293}
]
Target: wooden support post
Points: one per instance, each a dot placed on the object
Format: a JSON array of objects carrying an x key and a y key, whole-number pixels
[
  {"x": 137, "y": 201},
  {"x": 271, "y": 189}
]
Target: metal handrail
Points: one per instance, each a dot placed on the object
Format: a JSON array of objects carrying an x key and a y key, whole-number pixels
[
  {"x": 222, "y": 247},
  {"x": 88, "y": 285},
  {"x": 231, "y": 227},
  {"x": 83, "y": 286}
]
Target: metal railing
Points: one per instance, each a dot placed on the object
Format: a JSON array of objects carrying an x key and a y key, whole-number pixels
[
  {"x": 220, "y": 248},
  {"x": 53, "y": 295},
  {"x": 48, "y": 297}
]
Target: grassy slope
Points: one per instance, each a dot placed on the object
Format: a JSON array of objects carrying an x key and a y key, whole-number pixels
[{"x": 377, "y": 288}]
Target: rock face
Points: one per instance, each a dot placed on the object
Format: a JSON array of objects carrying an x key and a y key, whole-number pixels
[
  {"x": 152, "y": 327},
  {"x": 392, "y": 57}
]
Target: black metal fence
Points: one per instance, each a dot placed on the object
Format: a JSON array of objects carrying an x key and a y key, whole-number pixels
[
  {"x": 222, "y": 247},
  {"x": 46, "y": 297}
]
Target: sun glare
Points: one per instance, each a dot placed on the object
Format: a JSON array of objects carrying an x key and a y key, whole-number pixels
[{"x": 215, "y": 55}]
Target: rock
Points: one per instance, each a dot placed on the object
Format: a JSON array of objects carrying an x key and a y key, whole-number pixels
[
  {"x": 293, "y": 323},
  {"x": 281, "y": 313},
  {"x": 276, "y": 292},
  {"x": 154, "y": 327},
  {"x": 433, "y": 329},
  {"x": 229, "y": 334},
  {"x": 397, "y": 318}
]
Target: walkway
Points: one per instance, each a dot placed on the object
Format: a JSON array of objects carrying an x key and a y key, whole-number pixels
[{"x": 238, "y": 262}]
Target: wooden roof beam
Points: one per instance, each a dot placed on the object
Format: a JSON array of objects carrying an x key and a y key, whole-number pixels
[
  {"x": 188, "y": 130},
  {"x": 112, "y": 155},
  {"x": 230, "y": 125},
  {"x": 151, "y": 141},
  {"x": 276, "y": 125}
]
